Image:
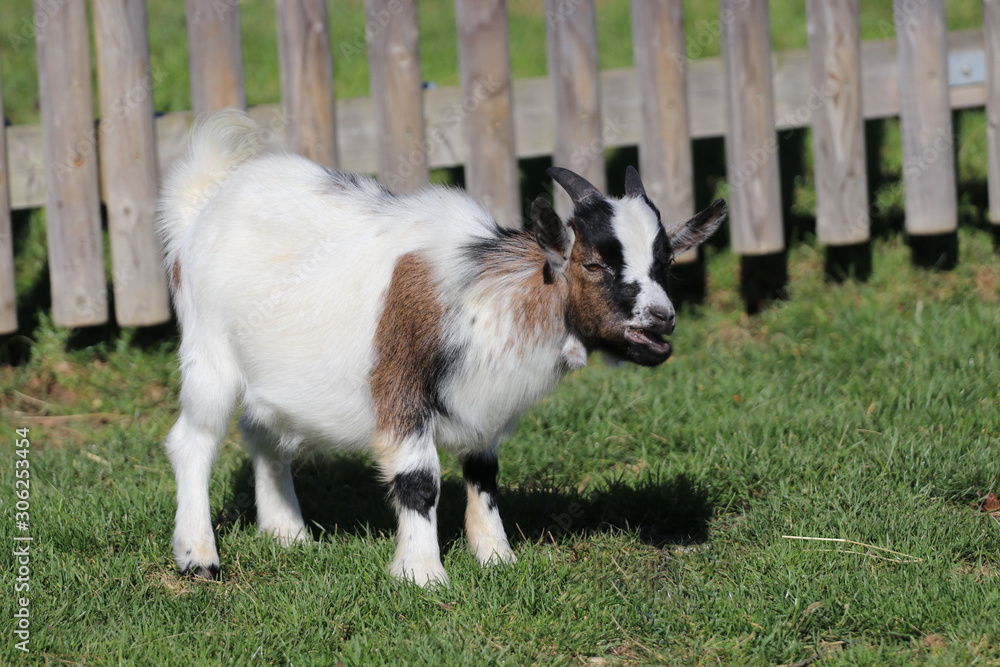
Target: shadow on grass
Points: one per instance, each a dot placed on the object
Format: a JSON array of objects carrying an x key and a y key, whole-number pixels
[{"x": 344, "y": 495}]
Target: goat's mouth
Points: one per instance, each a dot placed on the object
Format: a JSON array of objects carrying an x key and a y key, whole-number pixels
[{"x": 649, "y": 340}]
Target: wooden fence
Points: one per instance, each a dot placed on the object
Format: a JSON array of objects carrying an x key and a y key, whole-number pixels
[{"x": 71, "y": 163}]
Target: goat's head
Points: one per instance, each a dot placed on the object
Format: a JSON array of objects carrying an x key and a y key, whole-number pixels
[{"x": 615, "y": 253}]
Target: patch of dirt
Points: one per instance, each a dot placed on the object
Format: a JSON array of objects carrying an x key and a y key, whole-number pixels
[
  {"x": 934, "y": 642},
  {"x": 980, "y": 572},
  {"x": 991, "y": 505},
  {"x": 988, "y": 283},
  {"x": 170, "y": 582}
]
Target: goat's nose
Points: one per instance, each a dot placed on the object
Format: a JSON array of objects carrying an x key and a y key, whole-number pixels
[{"x": 663, "y": 317}]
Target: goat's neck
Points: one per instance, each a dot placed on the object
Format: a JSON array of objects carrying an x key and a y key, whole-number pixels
[{"x": 511, "y": 279}]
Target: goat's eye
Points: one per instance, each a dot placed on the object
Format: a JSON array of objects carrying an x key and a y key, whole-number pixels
[{"x": 596, "y": 267}]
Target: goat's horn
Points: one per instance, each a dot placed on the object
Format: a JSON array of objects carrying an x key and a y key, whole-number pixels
[
  {"x": 633, "y": 184},
  {"x": 579, "y": 188}
]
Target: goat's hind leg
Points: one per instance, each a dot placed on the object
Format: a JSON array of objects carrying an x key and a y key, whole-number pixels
[
  {"x": 278, "y": 512},
  {"x": 209, "y": 385}
]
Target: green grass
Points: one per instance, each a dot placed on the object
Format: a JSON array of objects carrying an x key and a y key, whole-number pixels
[{"x": 647, "y": 507}]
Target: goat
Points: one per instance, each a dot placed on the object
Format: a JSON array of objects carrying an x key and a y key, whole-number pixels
[{"x": 348, "y": 317}]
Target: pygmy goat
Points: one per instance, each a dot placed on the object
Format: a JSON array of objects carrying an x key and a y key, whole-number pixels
[{"x": 349, "y": 317}]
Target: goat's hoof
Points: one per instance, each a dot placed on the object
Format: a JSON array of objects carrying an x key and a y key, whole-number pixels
[
  {"x": 425, "y": 575},
  {"x": 287, "y": 537},
  {"x": 198, "y": 558},
  {"x": 496, "y": 554},
  {"x": 205, "y": 572}
]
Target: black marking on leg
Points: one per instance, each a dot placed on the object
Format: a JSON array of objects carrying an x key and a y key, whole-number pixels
[
  {"x": 416, "y": 490},
  {"x": 480, "y": 471}
]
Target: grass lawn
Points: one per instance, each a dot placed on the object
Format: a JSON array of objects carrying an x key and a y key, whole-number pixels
[{"x": 650, "y": 510}]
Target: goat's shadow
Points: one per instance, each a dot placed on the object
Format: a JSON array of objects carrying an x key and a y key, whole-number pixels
[{"x": 344, "y": 495}]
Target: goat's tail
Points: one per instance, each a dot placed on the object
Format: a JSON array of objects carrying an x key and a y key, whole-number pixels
[{"x": 218, "y": 143}]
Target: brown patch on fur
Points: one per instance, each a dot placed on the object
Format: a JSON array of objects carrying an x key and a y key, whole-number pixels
[
  {"x": 516, "y": 271},
  {"x": 175, "y": 275},
  {"x": 592, "y": 311},
  {"x": 409, "y": 352}
]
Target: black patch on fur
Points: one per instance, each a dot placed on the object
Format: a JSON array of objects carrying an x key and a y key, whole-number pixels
[
  {"x": 416, "y": 490},
  {"x": 447, "y": 360},
  {"x": 345, "y": 179},
  {"x": 592, "y": 221},
  {"x": 480, "y": 471},
  {"x": 497, "y": 247},
  {"x": 663, "y": 257},
  {"x": 650, "y": 204}
]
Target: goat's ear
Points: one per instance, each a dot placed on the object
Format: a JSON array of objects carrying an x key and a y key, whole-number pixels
[
  {"x": 693, "y": 232},
  {"x": 554, "y": 236}
]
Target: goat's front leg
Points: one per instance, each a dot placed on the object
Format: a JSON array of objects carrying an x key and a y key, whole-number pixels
[
  {"x": 483, "y": 526},
  {"x": 411, "y": 465}
]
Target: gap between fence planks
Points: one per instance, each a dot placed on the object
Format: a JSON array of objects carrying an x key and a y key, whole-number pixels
[
  {"x": 931, "y": 194},
  {"x": 8, "y": 292},
  {"x": 665, "y": 160},
  {"x": 128, "y": 161},
  {"x": 307, "y": 79},
  {"x": 397, "y": 93},
  {"x": 215, "y": 54},
  {"x": 533, "y": 114},
  {"x": 73, "y": 217},
  {"x": 491, "y": 174},
  {"x": 571, "y": 54},
  {"x": 842, "y": 215},
  {"x": 755, "y": 217}
]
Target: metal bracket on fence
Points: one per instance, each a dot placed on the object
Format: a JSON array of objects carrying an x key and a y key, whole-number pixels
[{"x": 966, "y": 68}]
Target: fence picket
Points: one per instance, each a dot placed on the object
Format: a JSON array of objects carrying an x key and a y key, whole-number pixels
[
  {"x": 571, "y": 49},
  {"x": 751, "y": 140},
  {"x": 215, "y": 54},
  {"x": 661, "y": 75},
  {"x": 8, "y": 303},
  {"x": 842, "y": 215},
  {"x": 128, "y": 161},
  {"x": 307, "y": 79},
  {"x": 73, "y": 217},
  {"x": 991, "y": 39},
  {"x": 484, "y": 60},
  {"x": 397, "y": 93},
  {"x": 925, "y": 117}
]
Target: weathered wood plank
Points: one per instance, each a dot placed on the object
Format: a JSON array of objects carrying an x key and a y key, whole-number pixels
[
  {"x": 931, "y": 196},
  {"x": 664, "y": 145},
  {"x": 307, "y": 78},
  {"x": 397, "y": 93},
  {"x": 533, "y": 114},
  {"x": 128, "y": 161},
  {"x": 73, "y": 217},
  {"x": 8, "y": 293},
  {"x": 571, "y": 50},
  {"x": 484, "y": 62},
  {"x": 751, "y": 139},
  {"x": 842, "y": 215},
  {"x": 215, "y": 54},
  {"x": 991, "y": 38}
]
